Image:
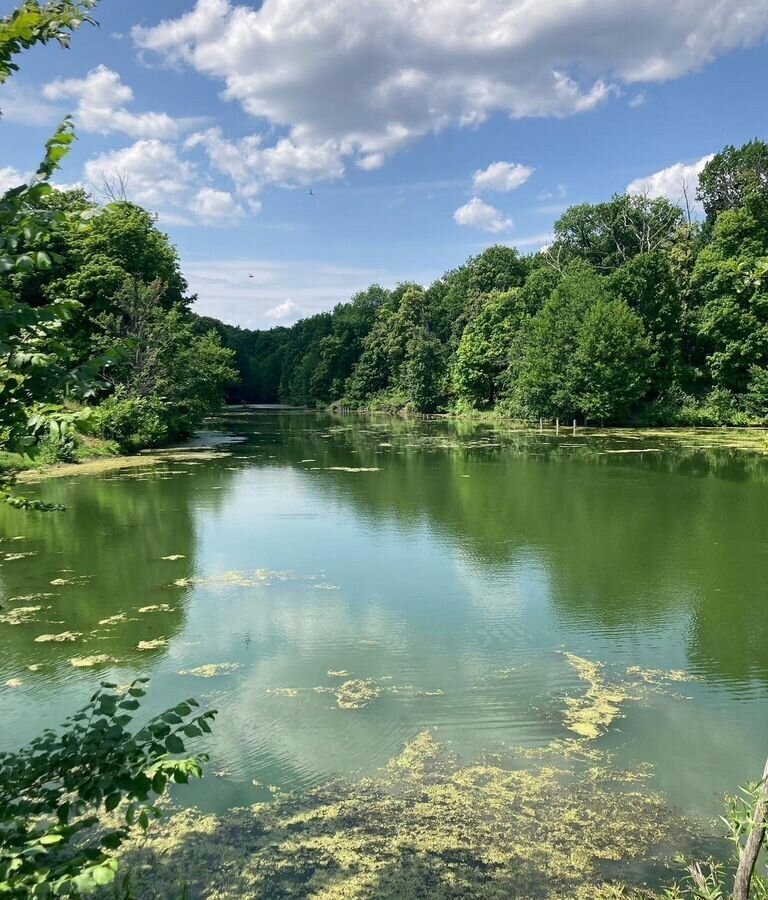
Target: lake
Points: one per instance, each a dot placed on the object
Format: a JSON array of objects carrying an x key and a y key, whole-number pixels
[{"x": 455, "y": 569}]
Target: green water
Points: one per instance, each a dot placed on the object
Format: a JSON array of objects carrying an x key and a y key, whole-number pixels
[{"x": 454, "y": 576}]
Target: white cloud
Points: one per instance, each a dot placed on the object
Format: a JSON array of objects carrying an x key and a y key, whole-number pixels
[
  {"x": 154, "y": 175},
  {"x": 534, "y": 241},
  {"x": 481, "y": 215},
  {"x": 673, "y": 182},
  {"x": 101, "y": 99},
  {"x": 282, "y": 311},
  {"x": 250, "y": 165},
  {"x": 226, "y": 289},
  {"x": 501, "y": 176},
  {"x": 11, "y": 178},
  {"x": 23, "y": 106},
  {"x": 372, "y": 77},
  {"x": 214, "y": 207}
]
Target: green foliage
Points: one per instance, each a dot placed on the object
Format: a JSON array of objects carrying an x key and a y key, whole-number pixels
[
  {"x": 608, "y": 235},
  {"x": 36, "y": 370},
  {"x": 423, "y": 372},
  {"x": 713, "y": 880},
  {"x": 482, "y": 356},
  {"x": 170, "y": 376},
  {"x": 71, "y": 798},
  {"x": 733, "y": 175},
  {"x": 57, "y": 448},
  {"x": 546, "y": 381},
  {"x": 131, "y": 422},
  {"x": 39, "y": 23},
  {"x": 612, "y": 362},
  {"x": 732, "y": 319}
]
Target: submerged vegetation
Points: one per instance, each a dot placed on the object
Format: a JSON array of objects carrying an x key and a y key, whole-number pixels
[
  {"x": 566, "y": 826},
  {"x": 426, "y": 825}
]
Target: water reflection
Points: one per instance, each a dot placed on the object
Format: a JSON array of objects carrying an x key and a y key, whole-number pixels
[{"x": 448, "y": 562}]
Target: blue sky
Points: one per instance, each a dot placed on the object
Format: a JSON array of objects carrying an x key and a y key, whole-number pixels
[{"x": 426, "y": 129}]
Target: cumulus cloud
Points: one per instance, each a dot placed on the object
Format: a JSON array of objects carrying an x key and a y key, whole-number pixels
[
  {"x": 501, "y": 176},
  {"x": 214, "y": 207},
  {"x": 481, "y": 215},
  {"x": 282, "y": 311},
  {"x": 153, "y": 172},
  {"x": 250, "y": 165},
  {"x": 399, "y": 69},
  {"x": 674, "y": 182},
  {"x": 24, "y": 106},
  {"x": 101, "y": 100}
]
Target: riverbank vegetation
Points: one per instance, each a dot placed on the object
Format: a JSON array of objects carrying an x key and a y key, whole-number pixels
[
  {"x": 96, "y": 332},
  {"x": 637, "y": 313}
]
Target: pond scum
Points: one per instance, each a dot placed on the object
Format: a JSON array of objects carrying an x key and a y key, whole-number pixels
[{"x": 430, "y": 826}]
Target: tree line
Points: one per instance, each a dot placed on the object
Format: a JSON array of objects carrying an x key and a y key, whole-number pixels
[{"x": 639, "y": 312}]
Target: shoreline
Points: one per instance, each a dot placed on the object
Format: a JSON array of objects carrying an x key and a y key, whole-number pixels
[{"x": 749, "y": 438}]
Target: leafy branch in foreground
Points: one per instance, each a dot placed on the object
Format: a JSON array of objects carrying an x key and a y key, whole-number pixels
[
  {"x": 39, "y": 23},
  {"x": 56, "y": 837},
  {"x": 746, "y": 823}
]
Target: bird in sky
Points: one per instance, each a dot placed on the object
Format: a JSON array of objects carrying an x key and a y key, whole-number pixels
[{"x": 310, "y": 193}]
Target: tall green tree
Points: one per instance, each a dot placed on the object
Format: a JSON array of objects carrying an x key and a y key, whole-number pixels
[
  {"x": 608, "y": 235},
  {"x": 732, "y": 282},
  {"x": 423, "y": 373},
  {"x": 34, "y": 372},
  {"x": 732, "y": 175},
  {"x": 545, "y": 382},
  {"x": 611, "y": 367},
  {"x": 648, "y": 285},
  {"x": 179, "y": 375},
  {"x": 482, "y": 357}
]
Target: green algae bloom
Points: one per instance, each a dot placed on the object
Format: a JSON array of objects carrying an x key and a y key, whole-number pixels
[
  {"x": 58, "y": 638},
  {"x": 211, "y": 670},
  {"x": 357, "y": 693},
  {"x": 87, "y": 662},
  {"x": 425, "y": 826},
  {"x": 591, "y": 715}
]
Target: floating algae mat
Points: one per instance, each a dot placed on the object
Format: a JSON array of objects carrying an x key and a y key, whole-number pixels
[{"x": 427, "y": 825}]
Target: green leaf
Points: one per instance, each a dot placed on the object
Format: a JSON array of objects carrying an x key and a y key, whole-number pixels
[{"x": 174, "y": 744}]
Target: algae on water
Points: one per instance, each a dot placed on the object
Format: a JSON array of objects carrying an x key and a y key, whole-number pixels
[
  {"x": 62, "y": 636},
  {"x": 592, "y": 714},
  {"x": 357, "y": 693},
  {"x": 211, "y": 670},
  {"x": 426, "y": 826}
]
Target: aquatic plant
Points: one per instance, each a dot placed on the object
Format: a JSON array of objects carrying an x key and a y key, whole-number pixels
[
  {"x": 425, "y": 826},
  {"x": 357, "y": 693},
  {"x": 210, "y": 670},
  {"x": 592, "y": 714},
  {"x": 58, "y": 638}
]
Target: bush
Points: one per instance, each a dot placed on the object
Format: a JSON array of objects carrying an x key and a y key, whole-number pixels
[
  {"x": 56, "y": 448},
  {"x": 131, "y": 422}
]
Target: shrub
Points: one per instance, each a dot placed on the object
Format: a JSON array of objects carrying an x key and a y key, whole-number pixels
[
  {"x": 57, "y": 448},
  {"x": 131, "y": 422}
]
